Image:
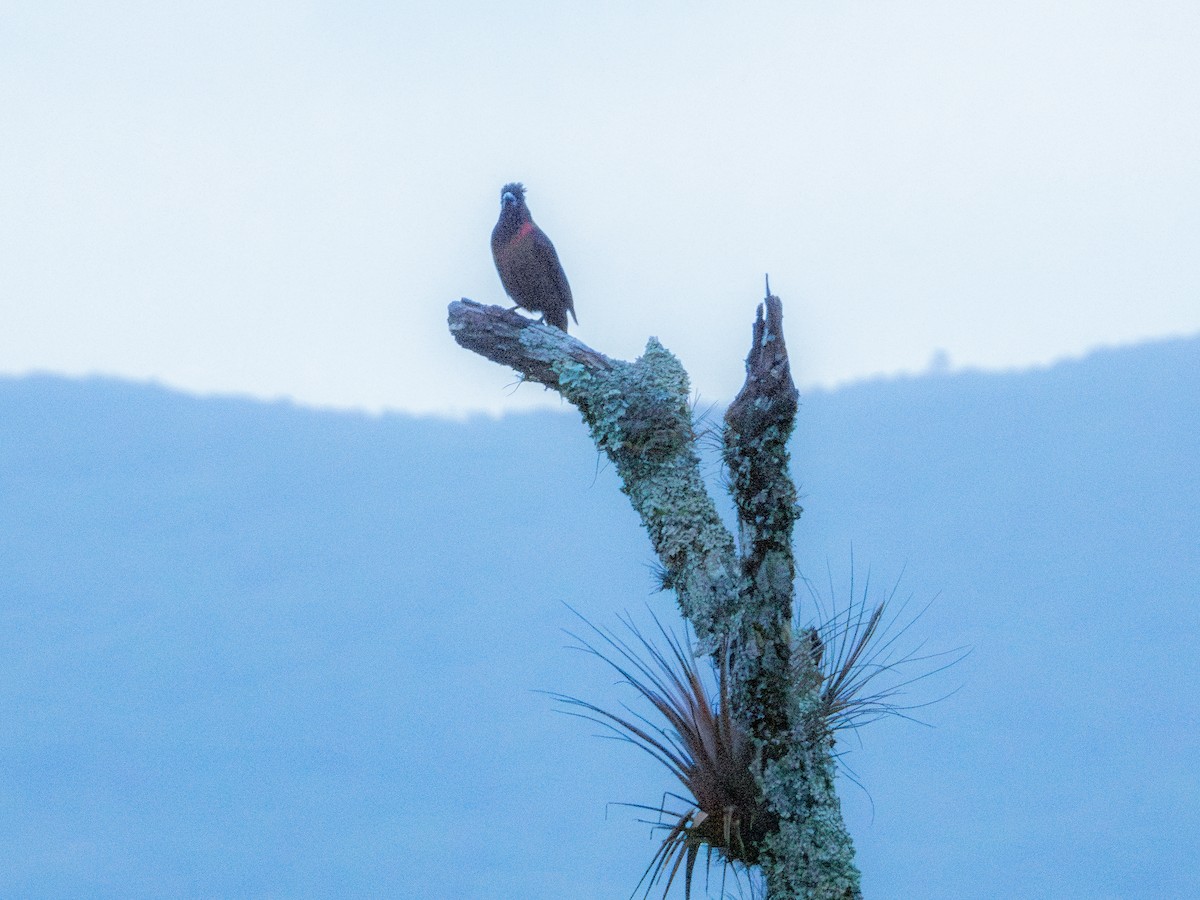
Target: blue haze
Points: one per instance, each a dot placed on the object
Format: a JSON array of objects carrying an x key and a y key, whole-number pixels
[{"x": 254, "y": 650}]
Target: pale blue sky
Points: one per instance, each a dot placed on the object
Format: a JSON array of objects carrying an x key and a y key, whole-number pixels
[{"x": 281, "y": 198}]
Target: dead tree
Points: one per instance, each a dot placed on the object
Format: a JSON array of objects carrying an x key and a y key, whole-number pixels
[{"x": 737, "y": 595}]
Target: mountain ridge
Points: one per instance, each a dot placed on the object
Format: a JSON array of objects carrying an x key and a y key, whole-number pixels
[{"x": 258, "y": 649}]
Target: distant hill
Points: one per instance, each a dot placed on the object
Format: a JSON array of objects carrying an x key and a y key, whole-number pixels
[{"x": 255, "y": 650}]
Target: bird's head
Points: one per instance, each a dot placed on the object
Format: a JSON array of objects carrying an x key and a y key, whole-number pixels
[
  {"x": 512, "y": 196},
  {"x": 513, "y": 211}
]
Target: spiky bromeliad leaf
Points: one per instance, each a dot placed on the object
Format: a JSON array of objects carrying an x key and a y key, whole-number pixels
[
  {"x": 863, "y": 665},
  {"x": 700, "y": 744},
  {"x": 863, "y": 671}
]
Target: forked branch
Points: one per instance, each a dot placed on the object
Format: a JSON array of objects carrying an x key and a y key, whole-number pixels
[{"x": 737, "y": 602}]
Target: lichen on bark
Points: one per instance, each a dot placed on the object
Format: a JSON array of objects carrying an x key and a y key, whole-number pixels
[
  {"x": 738, "y": 596},
  {"x": 639, "y": 415}
]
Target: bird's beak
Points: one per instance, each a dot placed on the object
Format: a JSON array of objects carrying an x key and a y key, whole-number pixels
[{"x": 508, "y": 197}]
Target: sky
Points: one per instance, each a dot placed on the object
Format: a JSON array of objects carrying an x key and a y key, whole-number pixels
[{"x": 280, "y": 199}]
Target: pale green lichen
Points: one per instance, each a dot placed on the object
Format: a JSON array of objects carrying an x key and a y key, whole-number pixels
[
  {"x": 638, "y": 414},
  {"x": 811, "y": 855}
]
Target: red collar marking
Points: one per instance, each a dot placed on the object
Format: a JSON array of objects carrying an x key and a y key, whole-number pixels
[{"x": 523, "y": 232}]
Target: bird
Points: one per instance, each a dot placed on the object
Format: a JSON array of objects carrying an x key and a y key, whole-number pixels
[{"x": 528, "y": 263}]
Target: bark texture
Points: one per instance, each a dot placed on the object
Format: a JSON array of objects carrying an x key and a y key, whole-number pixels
[{"x": 640, "y": 416}]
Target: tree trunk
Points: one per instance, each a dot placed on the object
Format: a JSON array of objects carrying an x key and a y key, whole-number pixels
[{"x": 639, "y": 415}]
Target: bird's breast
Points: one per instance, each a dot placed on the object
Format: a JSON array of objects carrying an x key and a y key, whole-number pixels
[{"x": 522, "y": 235}]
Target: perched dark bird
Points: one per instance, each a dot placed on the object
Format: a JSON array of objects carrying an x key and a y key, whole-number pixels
[{"x": 528, "y": 265}]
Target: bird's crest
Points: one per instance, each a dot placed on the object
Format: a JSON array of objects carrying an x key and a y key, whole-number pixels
[{"x": 516, "y": 189}]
